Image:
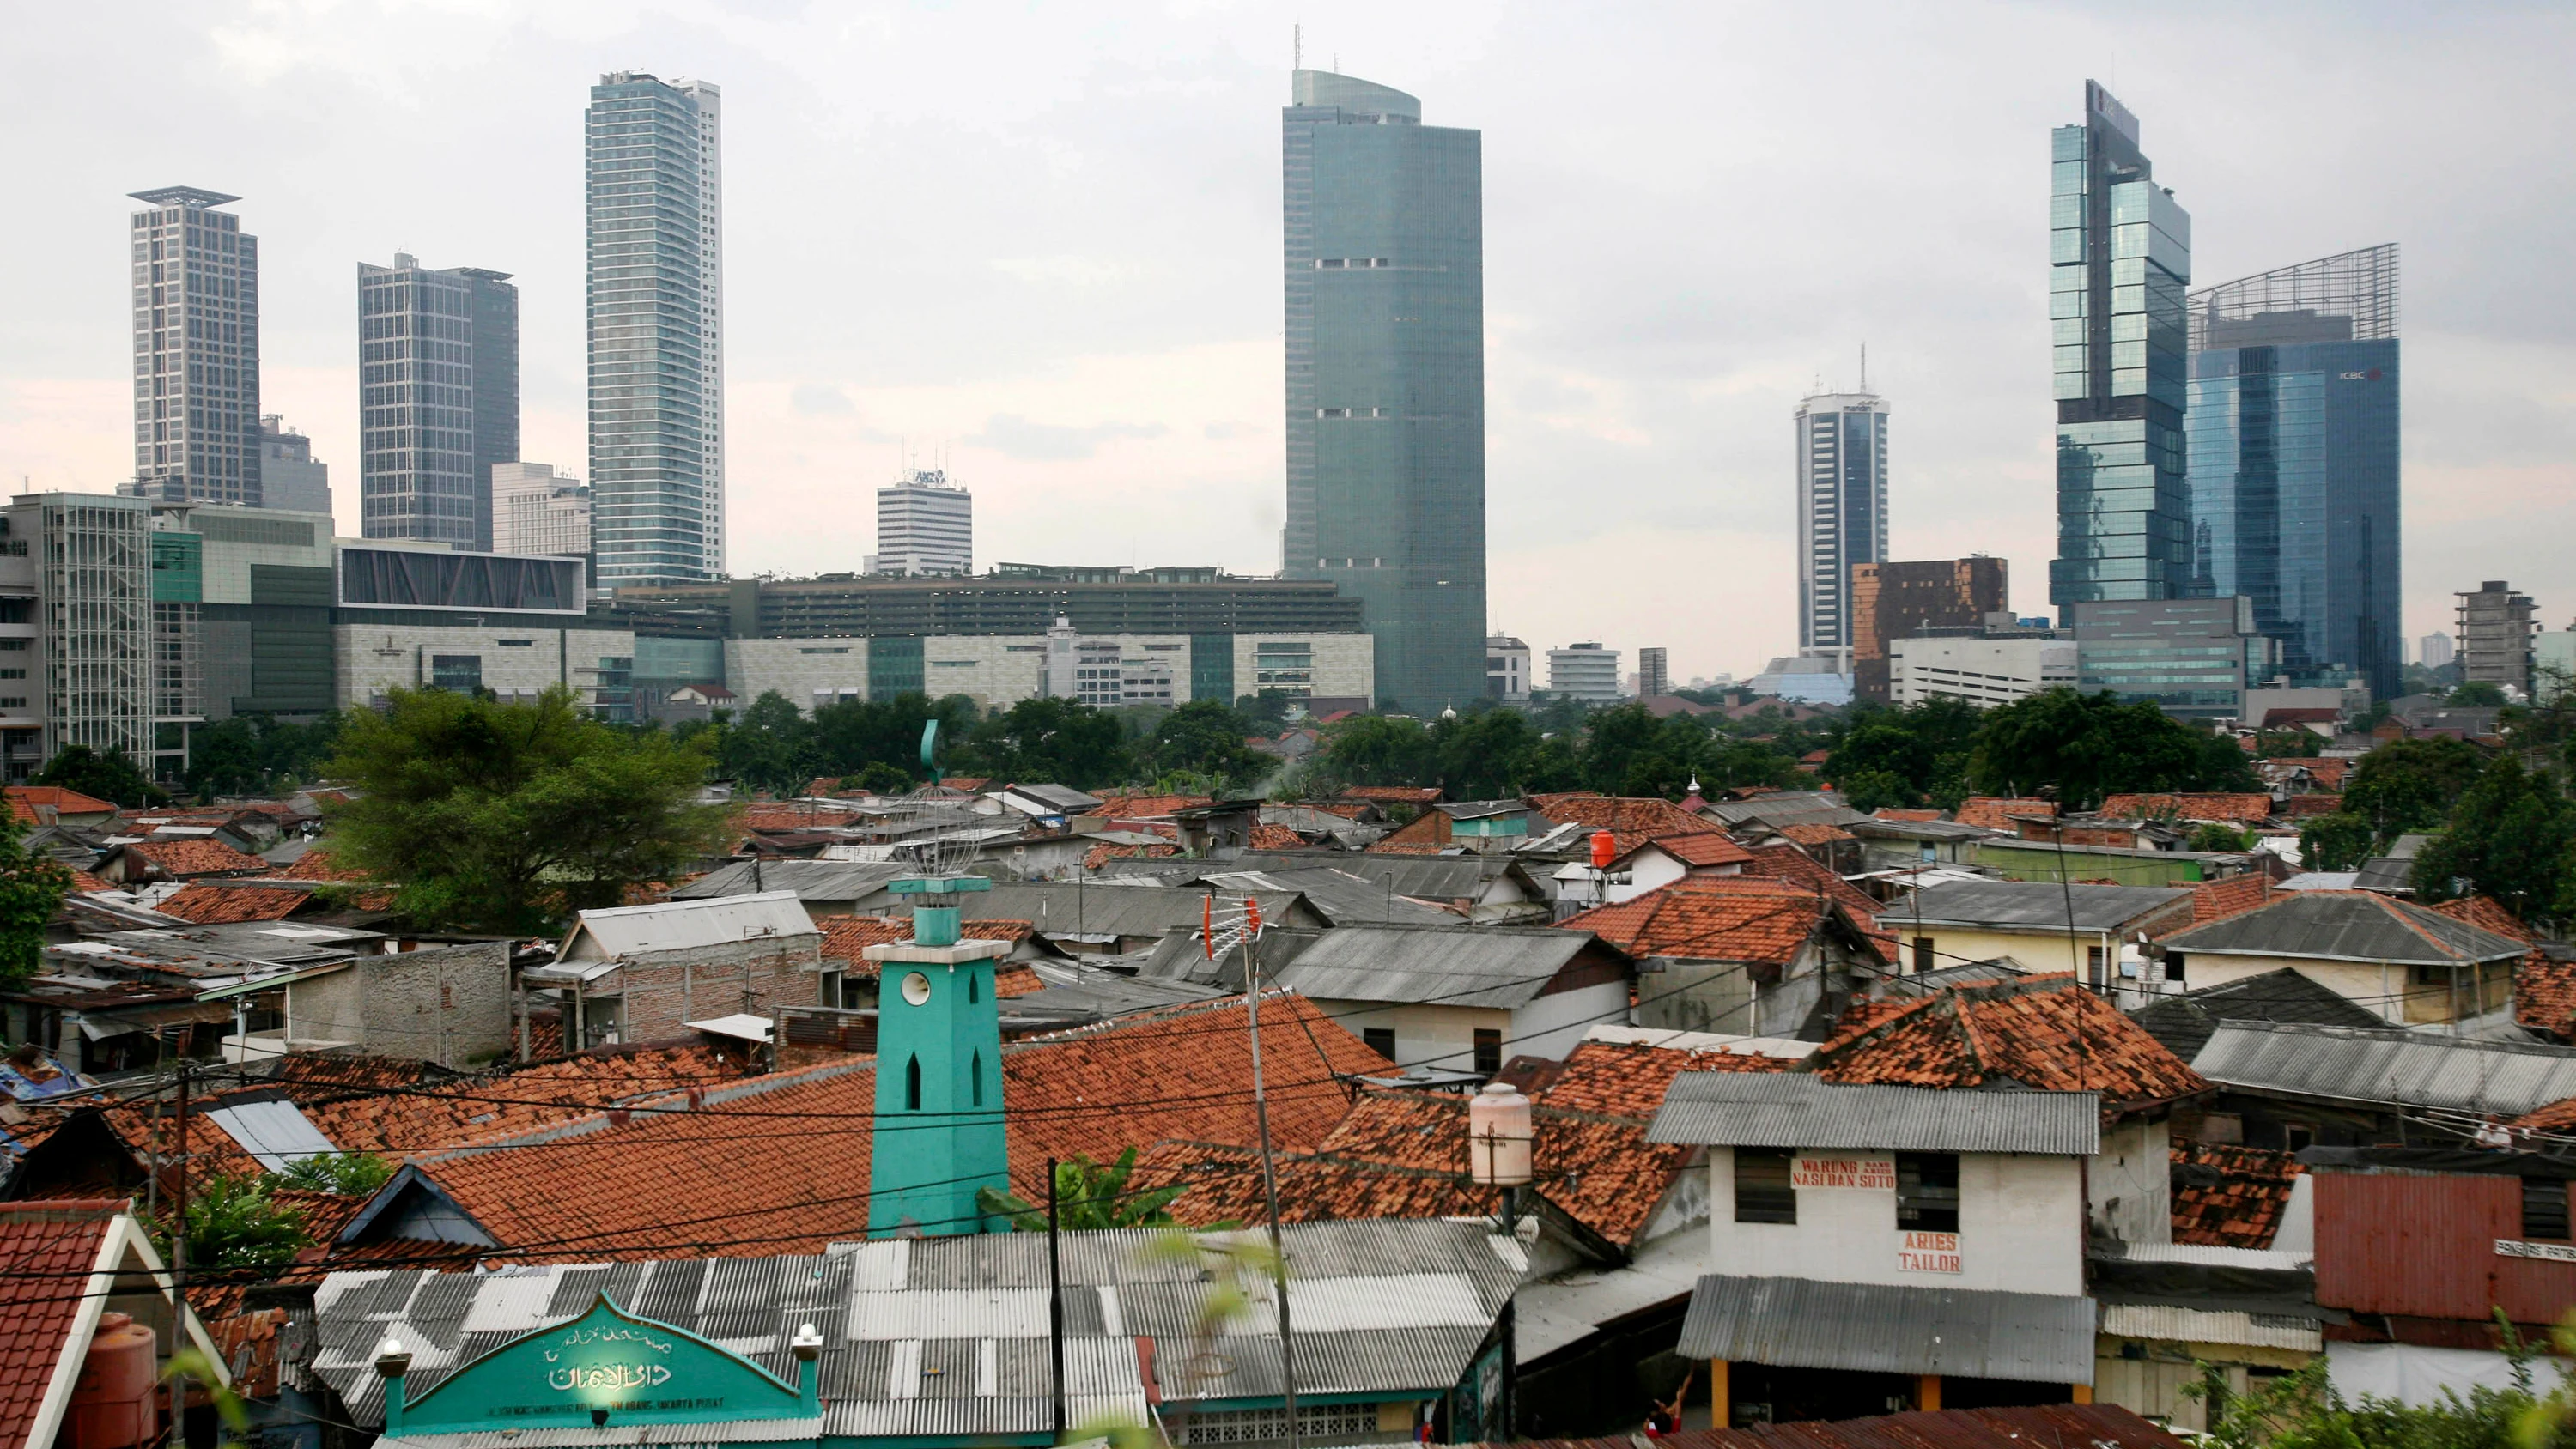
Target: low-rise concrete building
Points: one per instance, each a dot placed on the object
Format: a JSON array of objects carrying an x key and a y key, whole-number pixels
[
  {"x": 1463, "y": 999},
  {"x": 1980, "y": 671},
  {"x": 2406, "y": 963},
  {"x": 643, "y": 973},
  {"x": 2028, "y": 921}
]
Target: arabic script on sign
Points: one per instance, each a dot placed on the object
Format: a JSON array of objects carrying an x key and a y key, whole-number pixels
[
  {"x": 609, "y": 1376},
  {"x": 1928, "y": 1253},
  {"x": 1862, "y": 1172}
]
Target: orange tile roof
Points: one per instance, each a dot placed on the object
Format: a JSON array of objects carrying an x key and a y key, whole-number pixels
[
  {"x": 845, "y": 938},
  {"x": 2231, "y": 809},
  {"x": 1100, "y": 855},
  {"x": 2544, "y": 995},
  {"x": 2243, "y": 1207},
  {"x": 772, "y": 817},
  {"x": 2215, "y": 900},
  {"x": 1347, "y": 809},
  {"x": 2040, "y": 1031},
  {"x": 50, "y": 1248},
  {"x": 1815, "y": 834},
  {"x": 1994, "y": 812},
  {"x": 184, "y": 858},
  {"x": 2556, "y": 1117},
  {"x": 1631, "y": 820},
  {"x": 214, "y": 905},
  {"x": 315, "y": 864},
  {"x": 1433, "y": 828},
  {"x": 1275, "y": 837},
  {"x": 1890, "y": 812},
  {"x": 83, "y": 883},
  {"x": 1702, "y": 848},
  {"x": 2484, "y": 913},
  {"x": 1628, "y": 1079},
  {"x": 1768, "y": 923},
  {"x": 1146, "y": 807},
  {"x": 2329, "y": 774},
  {"x": 2303, "y": 807},
  {"x": 56, "y": 798},
  {"x": 1405, "y": 847},
  {"x": 1788, "y": 863},
  {"x": 1394, "y": 794}
]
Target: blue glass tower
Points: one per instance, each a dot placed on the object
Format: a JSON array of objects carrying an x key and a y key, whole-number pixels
[
  {"x": 1385, "y": 264},
  {"x": 2294, "y": 461},
  {"x": 2120, "y": 255}
]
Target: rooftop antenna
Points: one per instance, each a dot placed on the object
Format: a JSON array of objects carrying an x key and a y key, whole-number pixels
[
  {"x": 1296, "y": 47},
  {"x": 1864, "y": 367}
]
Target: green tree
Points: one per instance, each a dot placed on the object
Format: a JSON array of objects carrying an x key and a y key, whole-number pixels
[
  {"x": 1051, "y": 741},
  {"x": 851, "y": 735},
  {"x": 2512, "y": 837},
  {"x": 1374, "y": 750},
  {"x": 2213, "y": 835},
  {"x": 254, "y": 754},
  {"x": 1088, "y": 1195},
  {"x": 2478, "y": 694},
  {"x": 235, "y": 1226},
  {"x": 2341, "y": 841},
  {"x": 2410, "y": 785},
  {"x": 507, "y": 817},
  {"x": 348, "y": 1174},
  {"x": 768, "y": 746},
  {"x": 108, "y": 776},
  {"x": 32, "y": 888},
  {"x": 2089, "y": 746},
  {"x": 1206, "y": 738},
  {"x": 1484, "y": 754}
]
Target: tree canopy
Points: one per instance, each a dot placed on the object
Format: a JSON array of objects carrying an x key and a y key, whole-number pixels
[
  {"x": 2512, "y": 837},
  {"x": 2410, "y": 785},
  {"x": 255, "y": 754},
  {"x": 32, "y": 888},
  {"x": 2090, "y": 746},
  {"x": 102, "y": 775}
]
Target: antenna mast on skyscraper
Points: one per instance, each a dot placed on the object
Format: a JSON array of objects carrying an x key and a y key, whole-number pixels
[
  {"x": 1296, "y": 49},
  {"x": 1864, "y": 367}
]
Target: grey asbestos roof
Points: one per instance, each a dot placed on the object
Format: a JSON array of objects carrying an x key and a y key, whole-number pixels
[
  {"x": 1492, "y": 966},
  {"x": 1182, "y": 956},
  {"x": 2184, "y": 1023},
  {"x": 1788, "y": 807},
  {"x": 811, "y": 880},
  {"x": 1426, "y": 877},
  {"x": 1343, "y": 899},
  {"x": 2340, "y": 926},
  {"x": 948, "y": 1336},
  {"x": 1878, "y": 1328},
  {"x": 1786, "y": 1109},
  {"x": 2026, "y": 904},
  {"x": 1079, "y": 911},
  {"x": 2388, "y": 1068},
  {"x": 1870, "y": 827},
  {"x": 1063, "y": 798}
]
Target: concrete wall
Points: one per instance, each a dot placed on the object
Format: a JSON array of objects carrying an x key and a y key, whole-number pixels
[
  {"x": 1696, "y": 996},
  {"x": 2130, "y": 1183},
  {"x": 1345, "y": 664},
  {"x": 374, "y": 658},
  {"x": 449, "y": 1005},
  {"x": 2036, "y": 950},
  {"x": 660, "y": 990},
  {"x": 796, "y": 668},
  {"x": 996, "y": 670},
  {"x": 1441, "y": 1035},
  {"x": 2021, "y": 1229}
]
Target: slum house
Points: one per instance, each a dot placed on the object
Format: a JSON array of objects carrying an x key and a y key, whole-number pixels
[
  {"x": 2294, "y": 1086},
  {"x": 1342, "y": 898},
  {"x": 2177, "y": 1316},
  {"x": 145, "y": 862},
  {"x": 2405, "y": 963},
  {"x": 644, "y": 973},
  {"x": 125, "y": 1000},
  {"x": 1896, "y": 844},
  {"x": 823, "y": 887},
  {"x": 1654, "y": 864},
  {"x": 1753, "y": 956},
  {"x": 445, "y": 1004},
  {"x": 1459, "y": 999},
  {"x": 1106, "y": 920},
  {"x": 55, "y": 805},
  {"x": 1048, "y": 804},
  {"x": 1459, "y": 826},
  {"x": 2047, "y": 860},
  {"x": 1488, "y": 889},
  {"x": 2184, "y": 1023},
  {"x": 89, "y": 1321},
  {"x": 938, "y": 1341},
  {"x": 1875, "y": 1248},
  {"x": 2028, "y": 923}
]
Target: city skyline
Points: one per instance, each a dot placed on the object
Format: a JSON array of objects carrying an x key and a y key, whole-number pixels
[{"x": 1592, "y": 417}]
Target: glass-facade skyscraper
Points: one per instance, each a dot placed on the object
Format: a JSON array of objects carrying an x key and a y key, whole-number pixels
[
  {"x": 2294, "y": 461},
  {"x": 438, "y": 399},
  {"x": 1842, "y": 510},
  {"x": 656, "y": 329},
  {"x": 1385, "y": 264},
  {"x": 2120, "y": 260},
  {"x": 196, "y": 350}
]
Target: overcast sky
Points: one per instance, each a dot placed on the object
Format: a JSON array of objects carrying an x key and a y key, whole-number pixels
[{"x": 1045, "y": 239}]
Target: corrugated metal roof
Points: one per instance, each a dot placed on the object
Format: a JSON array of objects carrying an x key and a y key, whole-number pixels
[
  {"x": 1879, "y": 1328},
  {"x": 1343, "y": 898},
  {"x": 276, "y": 1132},
  {"x": 1452, "y": 965},
  {"x": 2183, "y": 1023},
  {"x": 2014, "y": 903},
  {"x": 1074, "y": 910},
  {"x": 1790, "y": 1109},
  {"x": 680, "y": 925},
  {"x": 2173, "y": 1323},
  {"x": 2212, "y": 1255},
  {"x": 2394, "y": 1068},
  {"x": 1425, "y": 877},
  {"x": 2355, "y": 926},
  {"x": 735, "y": 1431},
  {"x": 813, "y": 880}
]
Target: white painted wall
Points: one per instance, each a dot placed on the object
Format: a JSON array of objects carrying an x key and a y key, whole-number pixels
[
  {"x": 2021, "y": 1229},
  {"x": 2130, "y": 1183},
  {"x": 1441, "y": 1035},
  {"x": 374, "y": 658}
]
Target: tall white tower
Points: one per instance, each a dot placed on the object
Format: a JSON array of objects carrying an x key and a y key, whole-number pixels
[
  {"x": 1842, "y": 510},
  {"x": 925, "y": 525}
]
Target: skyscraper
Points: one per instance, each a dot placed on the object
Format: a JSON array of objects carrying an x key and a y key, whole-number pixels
[
  {"x": 2120, "y": 254},
  {"x": 196, "y": 350},
  {"x": 1842, "y": 509},
  {"x": 438, "y": 399},
  {"x": 2294, "y": 461},
  {"x": 1892, "y": 601},
  {"x": 656, "y": 329},
  {"x": 925, "y": 526},
  {"x": 289, "y": 475},
  {"x": 1384, "y": 262}
]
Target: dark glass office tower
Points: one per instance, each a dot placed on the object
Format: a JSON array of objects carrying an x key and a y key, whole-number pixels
[
  {"x": 438, "y": 399},
  {"x": 2120, "y": 254},
  {"x": 2294, "y": 466},
  {"x": 1386, "y": 377}
]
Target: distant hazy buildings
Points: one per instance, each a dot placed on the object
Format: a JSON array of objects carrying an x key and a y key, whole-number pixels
[
  {"x": 656, "y": 239},
  {"x": 2192, "y": 658},
  {"x": 1808, "y": 678},
  {"x": 536, "y": 510},
  {"x": 925, "y": 526},
  {"x": 196, "y": 349},
  {"x": 1654, "y": 673},
  {"x": 438, "y": 399},
  {"x": 1890, "y": 601},
  {"x": 1842, "y": 509},
  {"x": 1507, "y": 668},
  {"x": 2294, "y": 461},
  {"x": 2120, "y": 254},
  {"x": 290, "y": 477},
  {"x": 1384, "y": 260},
  {"x": 1586, "y": 672},
  {"x": 1979, "y": 669},
  {"x": 2433, "y": 651},
  {"x": 2496, "y": 626}
]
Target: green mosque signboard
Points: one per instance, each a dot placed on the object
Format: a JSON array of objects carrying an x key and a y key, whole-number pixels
[{"x": 606, "y": 1367}]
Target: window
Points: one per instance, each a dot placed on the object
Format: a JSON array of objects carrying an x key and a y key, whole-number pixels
[
  {"x": 1380, "y": 1039},
  {"x": 1489, "y": 1051},
  {"x": 1923, "y": 956},
  {"x": 462, "y": 673},
  {"x": 1762, "y": 1190},
  {"x": 2173, "y": 965},
  {"x": 974, "y": 988},
  {"x": 976, "y": 1067},
  {"x": 2298, "y": 1136},
  {"x": 912, "y": 1084},
  {"x": 2544, "y": 1209},
  {"x": 1927, "y": 1192},
  {"x": 2093, "y": 965}
]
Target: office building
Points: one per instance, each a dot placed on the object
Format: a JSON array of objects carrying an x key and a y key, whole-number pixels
[
  {"x": 2434, "y": 651},
  {"x": 2553, "y": 663},
  {"x": 196, "y": 349},
  {"x": 1507, "y": 669},
  {"x": 1815, "y": 677},
  {"x": 2120, "y": 255},
  {"x": 438, "y": 399},
  {"x": 241, "y": 604},
  {"x": 2496, "y": 625},
  {"x": 1982, "y": 670},
  {"x": 1842, "y": 508},
  {"x": 656, "y": 240},
  {"x": 2293, "y": 431},
  {"x": 925, "y": 526},
  {"x": 1890, "y": 601},
  {"x": 1653, "y": 675},
  {"x": 536, "y": 510},
  {"x": 1384, "y": 261},
  {"x": 1586, "y": 672},
  {"x": 290, "y": 477},
  {"x": 415, "y": 616},
  {"x": 76, "y": 629},
  {"x": 2192, "y": 658}
]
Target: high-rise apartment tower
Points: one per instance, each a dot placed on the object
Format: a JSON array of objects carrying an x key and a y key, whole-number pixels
[
  {"x": 2496, "y": 627},
  {"x": 1842, "y": 509},
  {"x": 290, "y": 477},
  {"x": 2120, "y": 254},
  {"x": 2294, "y": 461},
  {"x": 656, "y": 329},
  {"x": 438, "y": 399},
  {"x": 1384, "y": 263},
  {"x": 196, "y": 349},
  {"x": 925, "y": 526}
]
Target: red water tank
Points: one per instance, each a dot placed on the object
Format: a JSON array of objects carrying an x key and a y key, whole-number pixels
[
  {"x": 1605, "y": 849},
  {"x": 113, "y": 1405}
]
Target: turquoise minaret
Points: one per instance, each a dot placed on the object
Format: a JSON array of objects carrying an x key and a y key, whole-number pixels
[{"x": 939, "y": 1133}]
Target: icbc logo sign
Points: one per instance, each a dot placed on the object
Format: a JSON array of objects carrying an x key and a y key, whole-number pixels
[{"x": 2372, "y": 375}]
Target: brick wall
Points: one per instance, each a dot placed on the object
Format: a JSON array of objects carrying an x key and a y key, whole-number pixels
[
  {"x": 663, "y": 989},
  {"x": 445, "y": 1004}
]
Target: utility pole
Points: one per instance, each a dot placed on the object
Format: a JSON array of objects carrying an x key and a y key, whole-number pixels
[
  {"x": 179, "y": 1256},
  {"x": 1269, "y": 1166},
  {"x": 1055, "y": 1304}
]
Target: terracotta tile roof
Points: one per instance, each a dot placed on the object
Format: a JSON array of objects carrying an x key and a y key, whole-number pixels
[
  {"x": 83, "y": 883},
  {"x": 2231, "y": 809},
  {"x": 2230, "y": 1197},
  {"x": 1890, "y": 812},
  {"x": 1394, "y": 794},
  {"x": 1628, "y": 1079},
  {"x": 1020, "y": 980},
  {"x": 1995, "y": 812},
  {"x": 184, "y": 858},
  {"x": 1100, "y": 855},
  {"x": 1146, "y": 807},
  {"x": 214, "y": 905},
  {"x": 1788, "y": 863},
  {"x": 1767, "y": 923},
  {"x": 1405, "y": 847},
  {"x": 1815, "y": 834},
  {"x": 1347, "y": 809},
  {"x": 2328, "y": 774},
  {"x": 2483, "y": 913},
  {"x": 2213, "y": 900},
  {"x": 846, "y": 937},
  {"x": 774, "y": 817},
  {"x": 2304, "y": 807},
  {"x": 1275, "y": 837},
  {"x": 49, "y": 1248},
  {"x": 2039, "y": 1031},
  {"x": 315, "y": 864},
  {"x": 1631, "y": 820},
  {"x": 23, "y": 800},
  {"x": 1702, "y": 848},
  {"x": 2556, "y": 1117},
  {"x": 2544, "y": 995}
]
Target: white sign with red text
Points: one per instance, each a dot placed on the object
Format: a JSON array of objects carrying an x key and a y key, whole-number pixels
[
  {"x": 1872, "y": 1173},
  {"x": 1928, "y": 1253}
]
